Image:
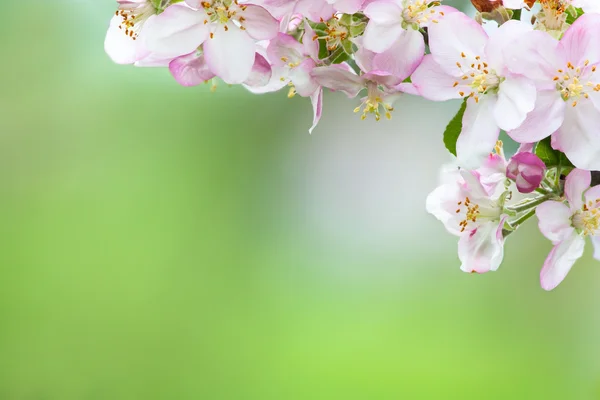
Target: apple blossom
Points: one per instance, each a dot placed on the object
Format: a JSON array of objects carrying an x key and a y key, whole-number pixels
[
  {"x": 527, "y": 170},
  {"x": 566, "y": 225},
  {"x": 568, "y": 101},
  {"x": 537, "y": 80},
  {"x": 465, "y": 63}
]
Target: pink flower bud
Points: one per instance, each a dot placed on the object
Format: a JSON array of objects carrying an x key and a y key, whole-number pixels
[{"x": 527, "y": 170}]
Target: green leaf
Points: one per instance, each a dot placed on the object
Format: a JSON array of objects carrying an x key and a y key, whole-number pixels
[
  {"x": 347, "y": 46},
  {"x": 339, "y": 56},
  {"x": 453, "y": 128},
  {"x": 573, "y": 13},
  {"x": 551, "y": 157},
  {"x": 323, "y": 52}
]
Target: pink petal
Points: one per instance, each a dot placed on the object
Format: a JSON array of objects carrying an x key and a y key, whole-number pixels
[
  {"x": 554, "y": 220},
  {"x": 191, "y": 69},
  {"x": 348, "y": 6},
  {"x": 516, "y": 98},
  {"x": 230, "y": 54},
  {"x": 302, "y": 79},
  {"x": 580, "y": 41},
  {"x": 384, "y": 13},
  {"x": 482, "y": 250},
  {"x": 455, "y": 34},
  {"x": 403, "y": 57},
  {"x": 579, "y": 136},
  {"x": 311, "y": 46},
  {"x": 177, "y": 31},
  {"x": 380, "y": 37},
  {"x": 479, "y": 132},
  {"x": 576, "y": 183},
  {"x": 593, "y": 195},
  {"x": 538, "y": 56},
  {"x": 314, "y": 9},
  {"x": 545, "y": 119},
  {"x": 261, "y": 72},
  {"x": 338, "y": 77},
  {"x": 433, "y": 83},
  {"x": 560, "y": 260},
  {"x": 284, "y": 47},
  {"x": 504, "y": 38},
  {"x": 259, "y": 24},
  {"x": 317, "y": 104}
]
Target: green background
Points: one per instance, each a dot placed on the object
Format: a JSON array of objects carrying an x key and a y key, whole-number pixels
[{"x": 160, "y": 242}]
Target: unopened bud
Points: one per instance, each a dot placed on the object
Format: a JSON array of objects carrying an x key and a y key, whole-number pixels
[{"x": 527, "y": 170}]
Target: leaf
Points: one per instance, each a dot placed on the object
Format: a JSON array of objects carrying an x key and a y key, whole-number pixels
[
  {"x": 550, "y": 156},
  {"x": 573, "y": 13},
  {"x": 323, "y": 52},
  {"x": 347, "y": 46},
  {"x": 453, "y": 128}
]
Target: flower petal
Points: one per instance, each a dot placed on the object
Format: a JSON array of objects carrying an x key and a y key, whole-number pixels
[
  {"x": 516, "y": 98},
  {"x": 579, "y": 137},
  {"x": 502, "y": 39},
  {"x": 230, "y": 54},
  {"x": 455, "y": 34},
  {"x": 545, "y": 119},
  {"x": 317, "y": 104},
  {"x": 120, "y": 48},
  {"x": 384, "y": 13},
  {"x": 337, "y": 77},
  {"x": 177, "y": 31},
  {"x": 560, "y": 260},
  {"x": 554, "y": 220},
  {"x": 576, "y": 183},
  {"x": 403, "y": 57},
  {"x": 482, "y": 250},
  {"x": 380, "y": 37},
  {"x": 259, "y": 24},
  {"x": 302, "y": 79},
  {"x": 580, "y": 41},
  {"x": 433, "y": 83},
  {"x": 191, "y": 69},
  {"x": 479, "y": 132},
  {"x": 261, "y": 72}
]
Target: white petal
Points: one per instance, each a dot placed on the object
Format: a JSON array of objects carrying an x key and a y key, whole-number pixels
[
  {"x": 545, "y": 119},
  {"x": 177, "y": 31},
  {"x": 516, "y": 98},
  {"x": 433, "y": 83},
  {"x": 380, "y": 37},
  {"x": 482, "y": 250},
  {"x": 456, "y": 33},
  {"x": 579, "y": 136},
  {"x": 503, "y": 39},
  {"x": 560, "y": 260},
  {"x": 337, "y": 77},
  {"x": 384, "y": 12},
  {"x": 554, "y": 220},
  {"x": 317, "y": 104},
  {"x": 403, "y": 56},
  {"x": 577, "y": 182},
  {"x": 230, "y": 54},
  {"x": 259, "y": 24},
  {"x": 479, "y": 132},
  {"x": 120, "y": 48}
]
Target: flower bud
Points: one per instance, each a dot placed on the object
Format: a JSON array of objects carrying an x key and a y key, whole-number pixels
[{"x": 527, "y": 170}]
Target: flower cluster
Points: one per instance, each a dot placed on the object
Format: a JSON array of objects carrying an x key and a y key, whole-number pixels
[{"x": 537, "y": 81}]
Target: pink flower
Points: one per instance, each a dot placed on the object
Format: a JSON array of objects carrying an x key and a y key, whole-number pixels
[
  {"x": 390, "y": 20},
  {"x": 192, "y": 70},
  {"x": 474, "y": 212},
  {"x": 122, "y": 42},
  {"x": 380, "y": 86},
  {"x": 465, "y": 63},
  {"x": 297, "y": 60},
  {"x": 527, "y": 170},
  {"x": 227, "y": 30},
  {"x": 567, "y": 225},
  {"x": 568, "y": 102}
]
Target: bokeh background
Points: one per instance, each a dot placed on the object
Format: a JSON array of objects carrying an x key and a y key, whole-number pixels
[{"x": 160, "y": 242}]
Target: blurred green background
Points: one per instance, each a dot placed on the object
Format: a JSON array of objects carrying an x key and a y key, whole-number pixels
[{"x": 160, "y": 242}]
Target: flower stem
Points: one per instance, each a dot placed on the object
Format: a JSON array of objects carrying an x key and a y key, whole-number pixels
[
  {"x": 531, "y": 204},
  {"x": 515, "y": 224}
]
